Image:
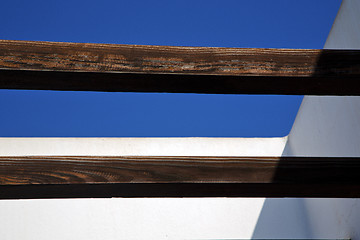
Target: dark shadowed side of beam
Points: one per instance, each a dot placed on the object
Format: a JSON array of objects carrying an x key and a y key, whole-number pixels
[
  {"x": 134, "y": 68},
  {"x": 56, "y": 177}
]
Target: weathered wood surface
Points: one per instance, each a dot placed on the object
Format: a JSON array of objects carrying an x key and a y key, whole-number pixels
[
  {"x": 134, "y": 68},
  {"x": 52, "y": 177}
]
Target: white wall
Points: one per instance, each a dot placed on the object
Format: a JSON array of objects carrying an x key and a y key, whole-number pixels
[
  {"x": 90, "y": 219},
  {"x": 324, "y": 126},
  {"x": 142, "y": 146},
  {"x": 329, "y": 126},
  {"x": 332, "y": 127},
  {"x": 307, "y": 218},
  {"x": 144, "y": 218}
]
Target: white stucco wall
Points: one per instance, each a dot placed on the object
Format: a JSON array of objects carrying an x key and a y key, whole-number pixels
[
  {"x": 324, "y": 126},
  {"x": 146, "y": 218},
  {"x": 134, "y": 218},
  {"x": 142, "y": 146},
  {"x": 337, "y": 124},
  {"x": 329, "y": 126}
]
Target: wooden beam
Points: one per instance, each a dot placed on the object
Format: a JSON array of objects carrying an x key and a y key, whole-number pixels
[
  {"x": 134, "y": 68},
  {"x": 58, "y": 177}
]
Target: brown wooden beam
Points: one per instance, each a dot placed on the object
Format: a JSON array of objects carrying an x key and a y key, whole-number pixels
[
  {"x": 58, "y": 177},
  {"x": 134, "y": 68}
]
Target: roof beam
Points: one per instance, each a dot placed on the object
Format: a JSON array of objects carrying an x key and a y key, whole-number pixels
[
  {"x": 144, "y": 176},
  {"x": 135, "y": 68}
]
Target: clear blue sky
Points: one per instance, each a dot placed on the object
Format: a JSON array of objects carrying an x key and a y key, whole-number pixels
[{"x": 223, "y": 23}]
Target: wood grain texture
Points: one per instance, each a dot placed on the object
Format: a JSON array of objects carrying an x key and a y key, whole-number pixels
[
  {"x": 134, "y": 68},
  {"x": 178, "y": 176}
]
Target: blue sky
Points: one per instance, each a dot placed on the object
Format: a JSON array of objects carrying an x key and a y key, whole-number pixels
[{"x": 225, "y": 23}]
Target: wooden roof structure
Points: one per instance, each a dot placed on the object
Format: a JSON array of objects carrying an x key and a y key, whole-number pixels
[{"x": 134, "y": 68}]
